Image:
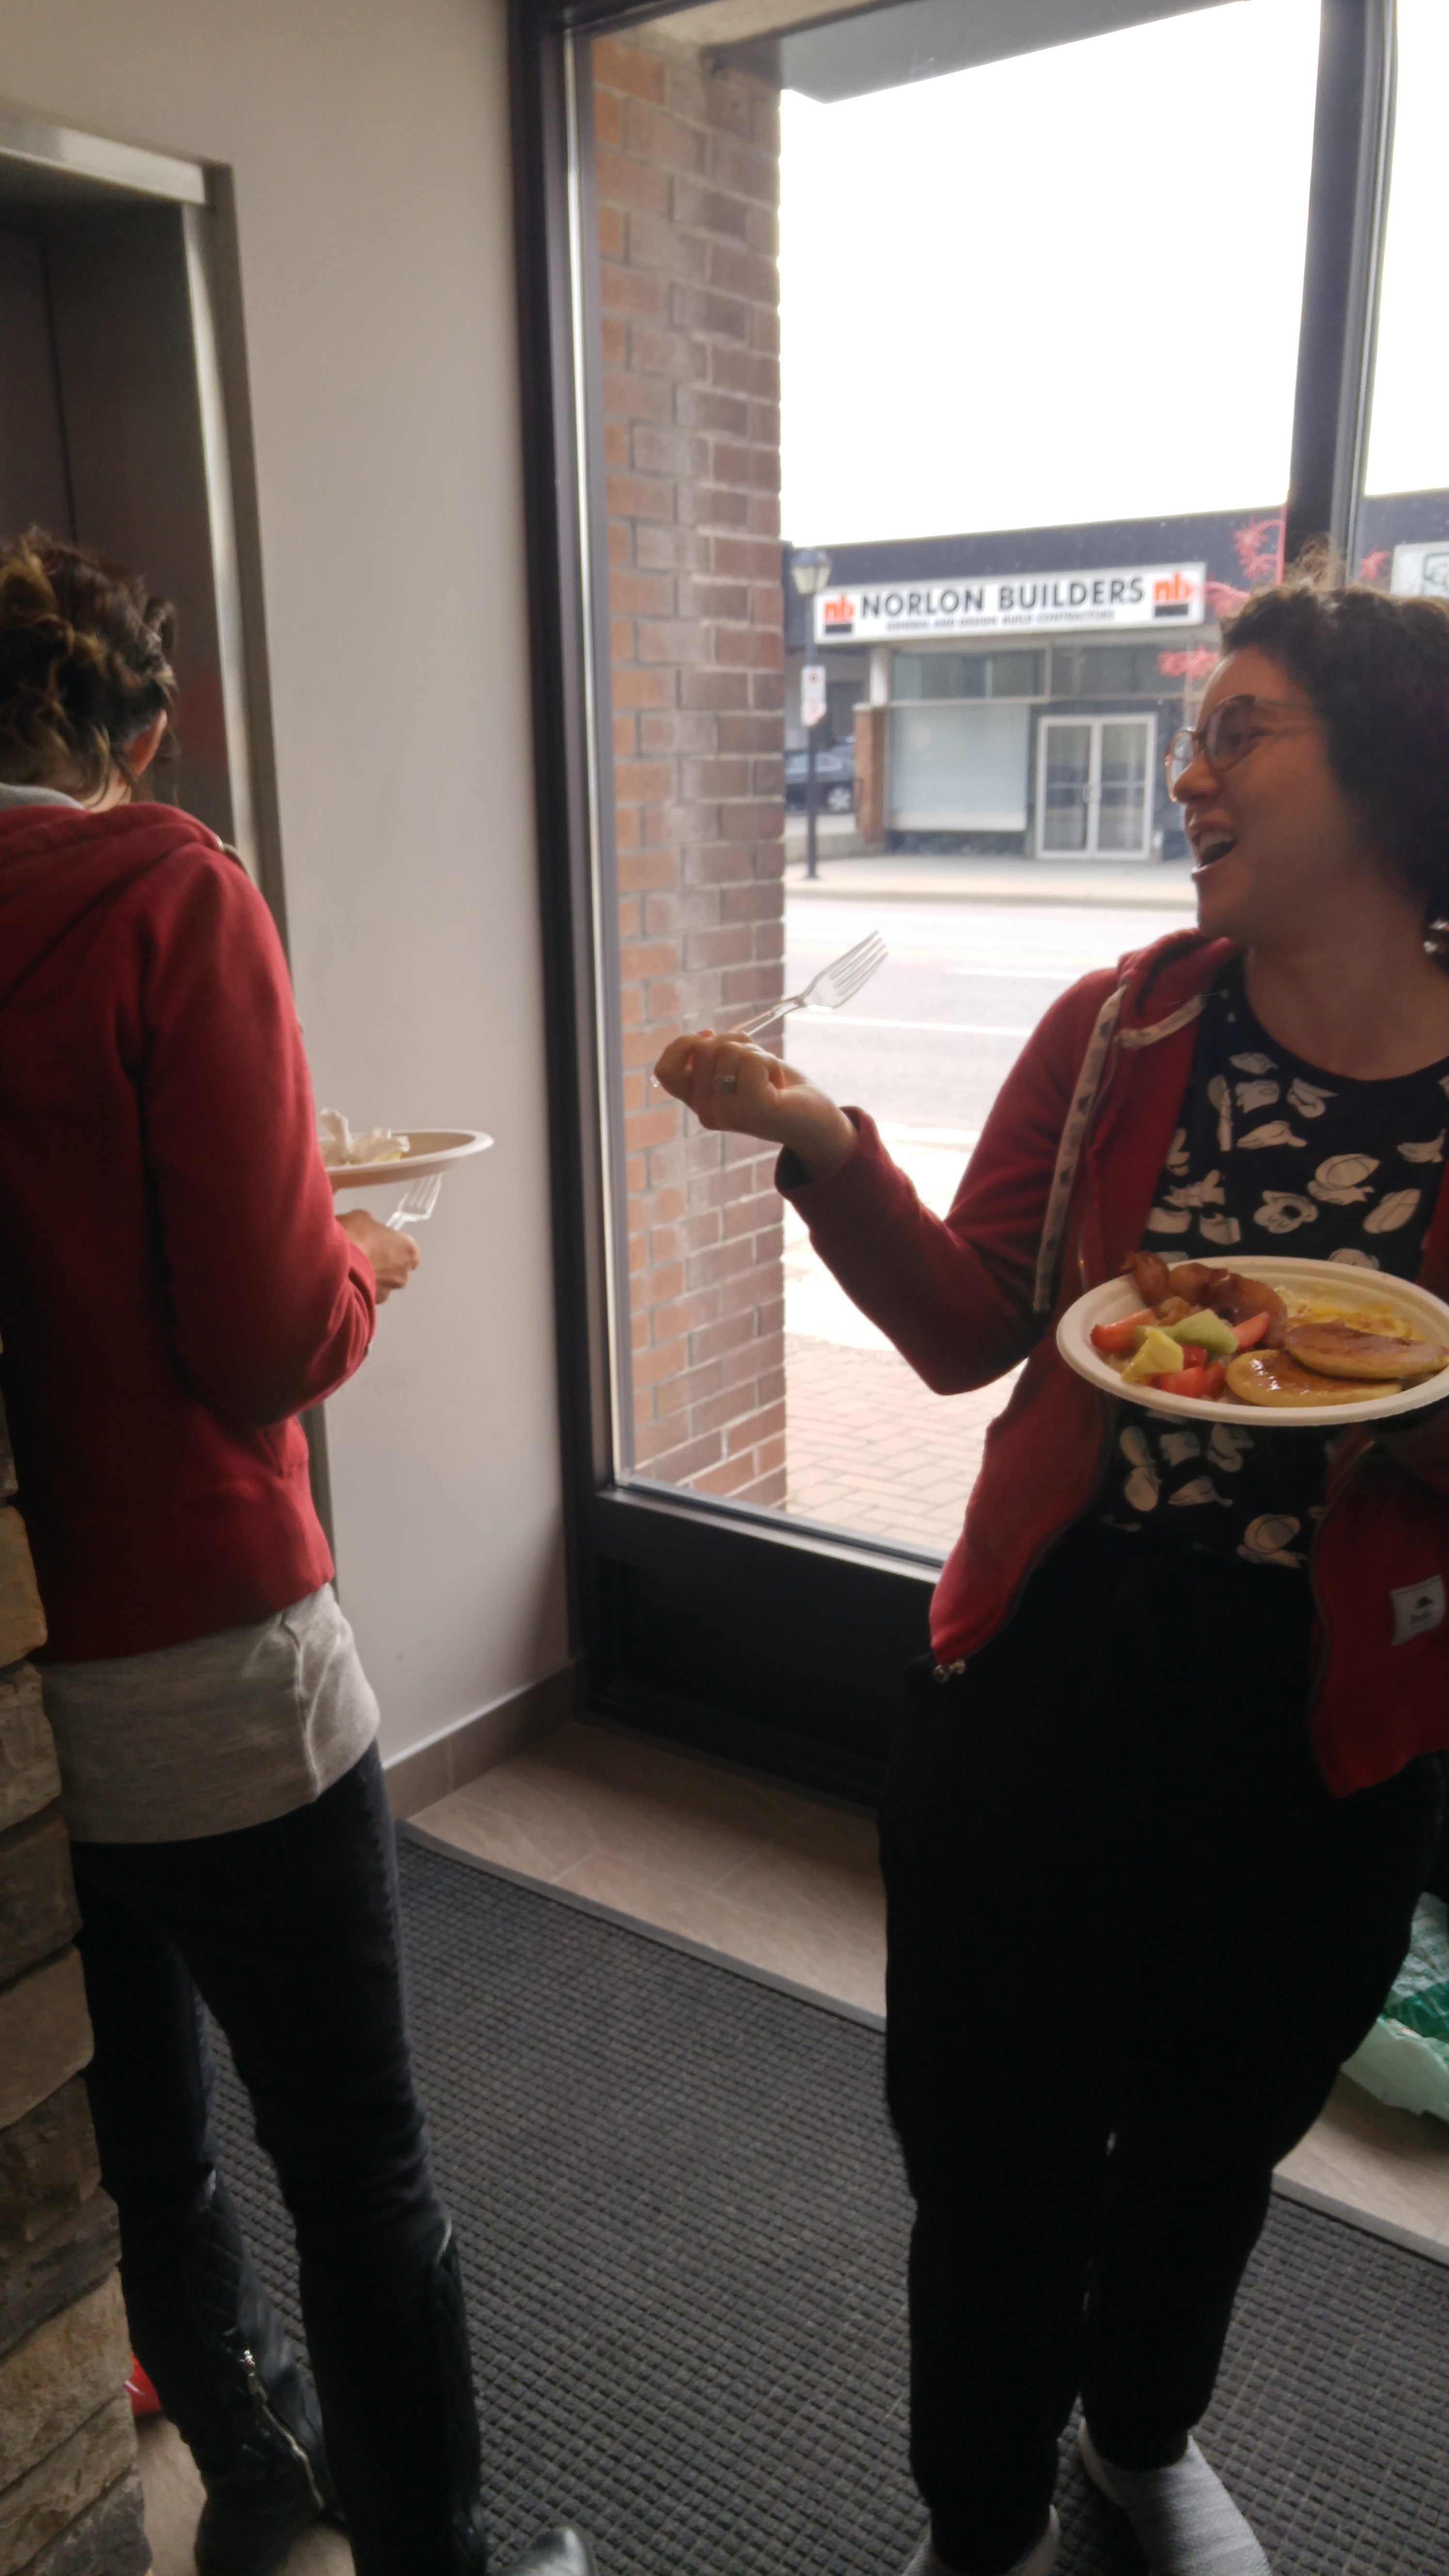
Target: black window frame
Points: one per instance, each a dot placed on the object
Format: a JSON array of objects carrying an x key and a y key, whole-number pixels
[{"x": 770, "y": 1640}]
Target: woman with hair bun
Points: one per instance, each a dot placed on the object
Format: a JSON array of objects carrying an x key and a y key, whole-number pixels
[
  {"x": 1162, "y": 1799},
  {"x": 175, "y": 1286}
]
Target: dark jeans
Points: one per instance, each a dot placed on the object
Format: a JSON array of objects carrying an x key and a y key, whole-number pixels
[
  {"x": 289, "y": 1933},
  {"x": 1131, "y": 1939}
]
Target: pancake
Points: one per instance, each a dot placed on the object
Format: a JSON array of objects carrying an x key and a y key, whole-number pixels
[{"x": 1276, "y": 1378}]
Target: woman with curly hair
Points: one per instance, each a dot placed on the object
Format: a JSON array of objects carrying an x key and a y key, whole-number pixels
[
  {"x": 174, "y": 1288},
  {"x": 1163, "y": 1796}
]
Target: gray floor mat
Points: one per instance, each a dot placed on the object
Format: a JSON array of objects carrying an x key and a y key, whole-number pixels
[{"x": 683, "y": 2227}]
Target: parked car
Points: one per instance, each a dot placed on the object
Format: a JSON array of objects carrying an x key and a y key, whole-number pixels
[{"x": 834, "y": 774}]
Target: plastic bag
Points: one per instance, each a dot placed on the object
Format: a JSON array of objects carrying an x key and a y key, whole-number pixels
[{"x": 1405, "y": 2058}]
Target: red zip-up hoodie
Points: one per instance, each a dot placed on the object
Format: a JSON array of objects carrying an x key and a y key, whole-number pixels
[
  {"x": 967, "y": 1297},
  {"x": 174, "y": 1285}
]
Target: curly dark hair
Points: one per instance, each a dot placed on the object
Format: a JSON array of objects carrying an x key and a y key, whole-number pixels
[
  {"x": 1377, "y": 670},
  {"x": 85, "y": 666}
]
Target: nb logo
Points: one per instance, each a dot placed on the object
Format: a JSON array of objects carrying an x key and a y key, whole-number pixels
[{"x": 1417, "y": 1607}]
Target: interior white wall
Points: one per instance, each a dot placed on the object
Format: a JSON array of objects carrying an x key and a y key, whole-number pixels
[{"x": 369, "y": 142}]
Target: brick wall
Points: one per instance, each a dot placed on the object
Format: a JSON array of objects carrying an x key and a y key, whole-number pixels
[
  {"x": 687, "y": 164},
  {"x": 70, "y": 2495}
]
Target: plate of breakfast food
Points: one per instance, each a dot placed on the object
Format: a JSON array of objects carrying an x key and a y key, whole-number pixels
[
  {"x": 382, "y": 1154},
  {"x": 1312, "y": 1342}
]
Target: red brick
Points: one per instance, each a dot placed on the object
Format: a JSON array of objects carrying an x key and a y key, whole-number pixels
[
  {"x": 660, "y": 1359},
  {"x": 710, "y": 210},
  {"x": 713, "y": 599},
  {"x": 704, "y": 407},
  {"x": 711, "y": 505},
  {"x": 713, "y": 1340},
  {"x": 670, "y": 547},
  {"x": 637, "y": 496},
  {"x": 618, "y": 64},
  {"x": 629, "y": 396},
  {"x": 692, "y": 1314},
  {"x": 767, "y": 775},
  {"x": 654, "y": 242},
  {"x": 692, "y": 1386},
  {"x": 768, "y": 1423},
  {"x": 610, "y": 233},
  {"x": 716, "y": 778},
  {"x": 747, "y": 559},
  {"x": 717, "y": 862},
  {"x": 616, "y": 443},
  {"x": 670, "y": 640},
  {"x": 698, "y": 308},
  {"x": 677, "y": 1466},
  {"x": 647, "y": 1126},
  {"x": 716, "y": 689},
  {"x": 737, "y": 271},
  {"x": 765, "y": 115},
  {"x": 765, "y": 329},
  {"x": 641, "y": 594},
  {"x": 743, "y": 171},
  {"x": 677, "y": 733},
  {"x": 658, "y": 450},
  {"x": 752, "y": 902},
  {"x": 658, "y": 1287},
  {"x": 729, "y": 101},
  {"x": 686, "y": 91},
  {"x": 760, "y": 734},
  {"x": 762, "y": 230},
  {"x": 767, "y": 688},
  {"x": 744, "y": 371},
  {"x": 641, "y": 869},
  {"x": 620, "y": 536},
  {"x": 724, "y": 1412},
  {"x": 633, "y": 686},
  {"x": 622, "y": 181},
  {"x": 691, "y": 1235},
  {"x": 613, "y": 340},
  {"x": 662, "y": 353},
  {"x": 765, "y": 423},
  {"x": 663, "y": 139},
  {"x": 633, "y": 291},
  {"x": 645, "y": 957},
  {"x": 730, "y": 946},
  {"x": 769, "y": 937},
  {"x": 764, "y": 514},
  {"x": 753, "y": 647},
  {"x": 625, "y": 729},
  {"x": 608, "y": 117}
]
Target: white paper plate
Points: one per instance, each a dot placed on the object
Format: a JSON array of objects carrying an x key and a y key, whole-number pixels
[
  {"x": 430, "y": 1149},
  {"x": 1345, "y": 1281}
]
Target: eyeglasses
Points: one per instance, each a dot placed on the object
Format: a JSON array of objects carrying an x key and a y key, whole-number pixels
[{"x": 1226, "y": 738}]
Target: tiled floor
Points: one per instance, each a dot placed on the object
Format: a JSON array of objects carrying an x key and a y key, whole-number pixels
[{"x": 784, "y": 1883}]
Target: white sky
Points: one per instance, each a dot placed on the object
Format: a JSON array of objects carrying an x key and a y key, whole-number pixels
[{"x": 1067, "y": 286}]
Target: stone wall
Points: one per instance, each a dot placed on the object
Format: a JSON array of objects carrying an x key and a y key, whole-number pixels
[
  {"x": 687, "y": 177},
  {"x": 70, "y": 2494}
]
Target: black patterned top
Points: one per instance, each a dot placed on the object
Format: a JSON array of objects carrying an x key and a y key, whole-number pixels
[{"x": 1270, "y": 1148}]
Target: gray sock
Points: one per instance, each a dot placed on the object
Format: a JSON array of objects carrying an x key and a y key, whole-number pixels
[{"x": 1185, "y": 2520}]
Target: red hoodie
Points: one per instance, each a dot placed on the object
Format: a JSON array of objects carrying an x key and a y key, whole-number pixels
[
  {"x": 967, "y": 1297},
  {"x": 174, "y": 1285}
]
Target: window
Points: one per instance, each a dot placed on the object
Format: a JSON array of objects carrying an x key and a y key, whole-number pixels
[
  {"x": 966, "y": 675},
  {"x": 1029, "y": 591}
]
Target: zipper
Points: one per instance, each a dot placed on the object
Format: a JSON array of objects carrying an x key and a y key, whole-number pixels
[{"x": 257, "y": 2392}]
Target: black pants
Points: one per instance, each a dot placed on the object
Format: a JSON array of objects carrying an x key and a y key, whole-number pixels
[
  {"x": 289, "y": 1932},
  {"x": 1131, "y": 1939}
]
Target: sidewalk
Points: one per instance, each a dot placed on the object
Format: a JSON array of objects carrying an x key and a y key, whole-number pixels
[{"x": 1140, "y": 885}]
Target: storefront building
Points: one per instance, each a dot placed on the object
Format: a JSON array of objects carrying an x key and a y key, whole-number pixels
[{"x": 1014, "y": 693}]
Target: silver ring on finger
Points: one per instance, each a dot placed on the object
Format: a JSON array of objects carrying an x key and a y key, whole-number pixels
[{"x": 728, "y": 1082}]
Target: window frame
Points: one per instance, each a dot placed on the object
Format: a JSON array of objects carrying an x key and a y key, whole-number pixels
[{"x": 783, "y": 1639}]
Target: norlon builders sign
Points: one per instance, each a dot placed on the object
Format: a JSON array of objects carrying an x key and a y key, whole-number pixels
[{"x": 1014, "y": 603}]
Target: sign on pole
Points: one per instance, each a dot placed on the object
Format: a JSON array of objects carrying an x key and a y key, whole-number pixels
[{"x": 812, "y": 694}]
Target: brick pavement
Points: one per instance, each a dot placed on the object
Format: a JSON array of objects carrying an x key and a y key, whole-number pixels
[{"x": 870, "y": 1448}]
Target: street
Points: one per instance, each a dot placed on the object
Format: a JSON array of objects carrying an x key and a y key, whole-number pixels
[
  {"x": 925, "y": 1047},
  {"x": 929, "y": 1041}
]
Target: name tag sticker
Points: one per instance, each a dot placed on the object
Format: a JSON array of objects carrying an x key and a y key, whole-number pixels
[{"x": 1417, "y": 1608}]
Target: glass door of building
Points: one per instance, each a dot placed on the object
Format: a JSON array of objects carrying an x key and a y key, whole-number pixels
[{"x": 1094, "y": 796}]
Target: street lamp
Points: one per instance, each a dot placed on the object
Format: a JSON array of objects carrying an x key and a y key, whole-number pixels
[{"x": 810, "y": 571}]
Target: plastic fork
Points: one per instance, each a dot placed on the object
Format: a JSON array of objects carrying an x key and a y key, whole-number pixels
[
  {"x": 835, "y": 983},
  {"x": 418, "y": 1201}
]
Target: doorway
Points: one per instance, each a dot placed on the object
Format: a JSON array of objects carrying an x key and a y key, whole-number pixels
[{"x": 1094, "y": 795}]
